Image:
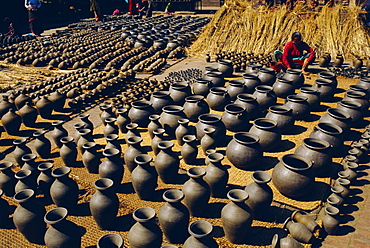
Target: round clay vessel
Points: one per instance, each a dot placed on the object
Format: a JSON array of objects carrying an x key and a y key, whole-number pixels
[
  {"x": 201, "y": 235},
  {"x": 218, "y": 98},
  {"x": 144, "y": 177},
  {"x": 194, "y": 106},
  {"x": 235, "y": 118},
  {"x": 268, "y": 133}
]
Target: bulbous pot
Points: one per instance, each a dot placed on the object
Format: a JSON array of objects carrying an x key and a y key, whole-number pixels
[
  {"x": 20, "y": 149},
  {"x": 45, "y": 179},
  {"x": 251, "y": 81},
  {"x": 283, "y": 87},
  {"x": 299, "y": 106},
  {"x": 283, "y": 116},
  {"x": 28, "y": 114},
  {"x": 179, "y": 91},
  {"x": 225, "y": 67},
  {"x": 144, "y": 177},
  {"x": 287, "y": 242},
  {"x": 140, "y": 112},
  {"x": 68, "y": 151},
  {"x": 216, "y": 78},
  {"x": 58, "y": 99},
  {"x": 189, "y": 151},
  {"x": 112, "y": 166},
  {"x": 325, "y": 88},
  {"x": 169, "y": 118},
  {"x": 91, "y": 158},
  {"x": 234, "y": 88},
  {"x": 296, "y": 76},
  {"x": 267, "y": 76},
  {"x": 122, "y": 119},
  {"x": 45, "y": 107},
  {"x": 217, "y": 175},
  {"x": 208, "y": 141},
  {"x": 132, "y": 151},
  {"x": 298, "y": 231},
  {"x": 214, "y": 121},
  {"x": 201, "y": 87},
  {"x": 110, "y": 240},
  {"x": 11, "y": 122},
  {"x": 330, "y": 221},
  {"x": 313, "y": 96},
  {"x": 357, "y": 96},
  {"x": 160, "y": 99},
  {"x": 107, "y": 112},
  {"x": 21, "y": 100},
  {"x": 244, "y": 151},
  {"x": 58, "y": 132},
  {"x": 235, "y": 118},
  {"x": 306, "y": 220},
  {"x": 329, "y": 76},
  {"x": 41, "y": 145},
  {"x": 110, "y": 127},
  {"x": 338, "y": 117},
  {"x": 353, "y": 109},
  {"x": 201, "y": 235},
  {"x": 195, "y": 106},
  {"x": 249, "y": 103},
  {"x": 268, "y": 133},
  {"x": 85, "y": 119},
  {"x": 331, "y": 133},
  {"x": 293, "y": 176},
  {"x": 153, "y": 125},
  {"x": 182, "y": 130},
  {"x": 217, "y": 98},
  {"x": 265, "y": 96},
  {"x": 167, "y": 162}
]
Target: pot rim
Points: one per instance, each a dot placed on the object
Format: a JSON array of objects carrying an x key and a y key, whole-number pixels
[
  {"x": 255, "y": 138},
  {"x": 172, "y": 109},
  {"x": 237, "y": 195},
  {"x": 5, "y": 165},
  {"x": 297, "y": 157},
  {"x": 309, "y": 90},
  {"x": 205, "y": 228},
  {"x": 103, "y": 183},
  {"x": 66, "y": 139},
  {"x": 308, "y": 143},
  {"x": 173, "y": 195},
  {"x": 19, "y": 141},
  {"x": 116, "y": 239},
  {"x": 143, "y": 159},
  {"x": 215, "y": 117},
  {"x": 331, "y": 210},
  {"x": 61, "y": 171},
  {"x": 45, "y": 166},
  {"x": 133, "y": 125},
  {"x": 194, "y": 98},
  {"x": 58, "y": 214},
  {"x": 246, "y": 97},
  {"x": 29, "y": 157},
  {"x": 259, "y": 121},
  {"x": 342, "y": 114},
  {"x": 24, "y": 195},
  {"x": 261, "y": 177},
  {"x": 338, "y": 129},
  {"x": 229, "y": 108},
  {"x": 144, "y": 214},
  {"x": 279, "y": 109},
  {"x": 196, "y": 172},
  {"x": 110, "y": 152}
]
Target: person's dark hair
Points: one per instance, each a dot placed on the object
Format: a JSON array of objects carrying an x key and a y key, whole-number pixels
[{"x": 296, "y": 35}]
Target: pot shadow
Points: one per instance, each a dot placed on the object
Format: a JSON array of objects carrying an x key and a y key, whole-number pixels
[
  {"x": 363, "y": 167},
  {"x": 77, "y": 164},
  {"x": 284, "y": 146},
  {"x": 213, "y": 210},
  {"x": 341, "y": 231},
  {"x": 231, "y": 186},
  {"x": 158, "y": 195},
  {"x": 333, "y": 99},
  {"x": 340, "y": 152},
  {"x": 349, "y": 209},
  {"x": 53, "y": 155},
  {"x": 344, "y": 219},
  {"x": 354, "y": 199},
  {"x": 274, "y": 214},
  {"x": 353, "y": 192},
  {"x": 26, "y": 133},
  {"x": 198, "y": 162},
  {"x": 40, "y": 125},
  {"x": 297, "y": 129},
  {"x": 123, "y": 223},
  {"x": 311, "y": 117},
  {"x": 330, "y": 171},
  {"x": 267, "y": 163},
  {"x": 321, "y": 108},
  {"x": 360, "y": 124},
  {"x": 218, "y": 232},
  {"x": 339, "y": 90},
  {"x": 125, "y": 188},
  {"x": 81, "y": 209},
  {"x": 97, "y": 136},
  {"x": 352, "y": 135},
  {"x": 57, "y": 117},
  {"x": 320, "y": 191},
  {"x": 225, "y": 141},
  {"x": 361, "y": 182},
  {"x": 6, "y": 142},
  {"x": 262, "y": 236}
]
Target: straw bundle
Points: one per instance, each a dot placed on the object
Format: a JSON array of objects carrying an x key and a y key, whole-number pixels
[{"x": 237, "y": 26}]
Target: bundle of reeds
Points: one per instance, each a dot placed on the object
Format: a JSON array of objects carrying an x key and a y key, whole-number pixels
[{"x": 238, "y": 26}]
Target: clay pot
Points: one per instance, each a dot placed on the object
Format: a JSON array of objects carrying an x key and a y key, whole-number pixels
[
  {"x": 208, "y": 141},
  {"x": 5, "y": 105},
  {"x": 195, "y": 106},
  {"x": 169, "y": 118},
  {"x": 234, "y": 88},
  {"x": 25, "y": 181},
  {"x": 140, "y": 112},
  {"x": 306, "y": 220},
  {"x": 325, "y": 88},
  {"x": 217, "y": 175},
  {"x": 45, "y": 179},
  {"x": 30, "y": 164},
  {"x": 253, "y": 68},
  {"x": 28, "y": 216},
  {"x": 286, "y": 242},
  {"x": 338, "y": 62},
  {"x": 330, "y": 133},
  {"x": 182, "y": 130},
  {"x": 283, "y": 116},
  {"x": 225, "y": 67},
  {"x": 167, "y": 162},
  {"x": 159, "y": 99},
  {"x": 329, "y": 76},
  {"x": 159, "y": 136},
  {"x": 21, "y": 100},
  {"x": 107, "y": 112},
  {"x": 338, "y": 117},
  {"x": 41, "y": 145},
  {"x": 91, "y": 158},
  {"x": 236, "y": 217},
  {"x": 352, "y": 108},
  {"x": 110, "y": 240},
  {"x": 345, "y": 184},
  {"x": 179, "y": 91},
  {"x": 197, "y": 192},
  {"x": 235, "y": 118},
  {"x": 251, "y": 81},
  {"x": 283, "y": 87},
  {"x": 45, "y": 107},
  {"x": 201, "y": 87},
  {"x": 61, "y": 232},
  {"x": 298, "y": 231},
  {"x": 112, "y": 166},
  {"x": 7, "y": 179},
  {"x": 113, "y": 142},
  {"x": 64, "y": 190},
  {"x": 58, "y": 99},
  {"x": 267, "y": 76},
  {"x": 296, "y": 76},
  {"x": 216, "y": 78},
  {"x": 268, "y": 133},
  {"x": 200, "y": 231},
  {"x": 214, "y": 121},
  {"x": 85, "y": 136},
  {"x": 260, "y": 194},
  {"x": 217, "y": 98},
  {"x": 28, "y": 114},
  {"x": 11, "y": 122},
  {"x": 145, "y": 233},
  {"x": 293, "y": 176},
  {"x": 122, "y": 119},
  {"x": 265, "y": 96},
  {"x": 132, "y": 131},
  {"x": 110, "y": 127},
  {"x": 174, "y": 217},
  {"x": 189, "y": 150},
  {"x": 85, "y": 119},
  {"x": 58, "y": 132},
  {"x": 244, "y": 151},
  {"x": 319, "y": 152},
  {"x": 104, "y": 204},
  {"x": 68, "y": 152},
  {"x": 78, "y": 127},
  {"x": 249, "y": 103},
  {"x": 299, "y": 106},
  {"x": 133, "y": 150},
  {"x": 144, "y": 177},
  {"x": 153, "y": 125},
  {"x": 313, "y": 96},
  {"x": 357, "y": 96},
  {"x": 330, "y": 221},
  {"x": 20, "y": 149}
]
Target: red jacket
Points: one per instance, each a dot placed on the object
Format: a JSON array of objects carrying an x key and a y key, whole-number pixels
[{"x": 292, "y": 50}]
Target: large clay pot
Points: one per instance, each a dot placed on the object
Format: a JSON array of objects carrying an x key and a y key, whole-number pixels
[
  {"x": 234, "y": 88},
  {"x": 268, "y": 133},
  {"x": 91, "y": 158},
  {"x": 283, "y": 117},
  {"x": 319, "y": 152},
  {"x": 30, "y": 164},
  {"x": 253, "y": 68},
  {"x": 158, "y": 137},
  {"x": 357, "y": 96},
  {"x": 28, "y": 114},
  {"x": 58, "y": 99},
  {"x": 197, "y": 192},
  {"x": 133, "y": 150},
  {"x": 58, "y": 132},
  {"x": 61, "y": 232},
  {"x": 11, "y": 122},
  {"x": 329, "y": 76},
  {"x": 64, "y": 190},
  {"x": 140, "y": 112},
  {"x": 260, "y": 194},
  {"x": 306, "y": 220},
  {"x": 216, "y": 78},
  {"x": 25, "y": 181},
  {"x": 20, "y": 149},
  {"x": 244, "y": 151},
  {"x": 208, "y": 141},
  {"x": 174, "y": 217},
  {"x": 122, "y": 119},
  {"x": 153, "y": 125},
  {"x": 144, "y": 177},
  {"x": 267, "y": 76},
  {"x": 235, "y": 118},
  {"x": 217, "y": 175},
  {"x": 112, "y": 166},
  {"x": 28, "y": 216},
  {"x": 298, "y": 231},
  {"x": 249, "y": 103},
  {"x": 217, "y": 98},
  {"x": 182, "y": 130},
  {"x": 85, "y": 136},
  {"x": 201, "y": 235},
  {"x": 5, "y": 105},
  {"x": 287, "y": 242},
  {"x": 45, "y": 179},
  {"x": 132, "y": 131},
  {"x": 353, "y": 109},
  {"x": 296, "y": 76},
  {"x": 195, "y": 106},
  {"x": 41, "y": 145},
  {"x": 145, "y": 233},
  {"x": 21, "y": 100},
  {"x": 283, "y": 88},
  {"x": 331, "y": 133},
  {"x": 338, "y": 117},
  {"x": 68, "y": 152},
  {"x": 110, "y": 127},
  {"x": 251, "y": 81},
  {"x": 225, "y": 67},
  {"x": 299, "y": 106},
  {"x": 107, "y": 112},
  {"x": 189, "y": 150},
  {"x": 45, "y": 107},
  {"x": 265, "y": 96},
  {"x": 169, "y": 118},
  {"x": 211, "y": 120},
  {"x": 201, "y": 87},
  {"x": 110, "y": 240},
  {"x": 236, "y": 217},
  {"x": 179, "y": 91},
  {"x": 313, "y": 96},
  {"x": 325, "y": 88},
  {"x": 167, "y": 162},
  {"x": 293, "y": 176},
  {"x": 159, "y": 99},
  {"x": 104, "y": 204},
  {"x": 7, "y": 179},
  {"x": 330, "y": 221}
]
